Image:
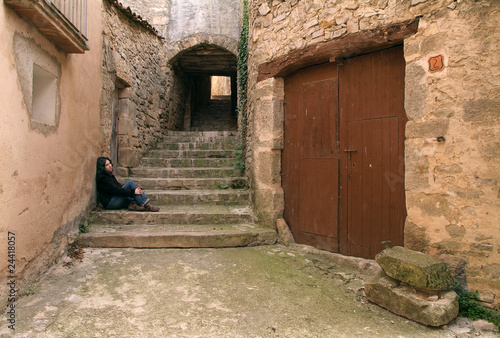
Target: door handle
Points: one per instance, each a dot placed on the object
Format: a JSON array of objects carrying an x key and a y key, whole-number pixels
[{"x": 350, "y": 151}]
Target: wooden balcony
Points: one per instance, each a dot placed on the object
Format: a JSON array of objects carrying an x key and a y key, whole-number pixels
[{"x": 64, "y": 22}]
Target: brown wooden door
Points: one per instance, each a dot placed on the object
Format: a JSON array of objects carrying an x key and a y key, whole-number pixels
[
  {"x": 344, "y": 136},
  {"x": 311, "y": 156},
  {"x": 372, "y": 121}
]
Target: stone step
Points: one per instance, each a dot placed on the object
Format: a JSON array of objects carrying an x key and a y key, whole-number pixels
[
  {"x": 212, "y": 126},
  {"x": 202, "y": 197},
  {"x": 188, "y": 183},
  {"x": 200, "y": 135},
  {"x": 177, "y": 236},
  {"x": 163, "y": 153},
  {"x": 177, "y": 214},
  {"x": 187, "y": 162},
  {"x": 194, "y": 145},
  {"x": 184, "y": 172}
]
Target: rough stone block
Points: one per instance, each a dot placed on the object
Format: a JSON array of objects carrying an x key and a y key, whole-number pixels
[
  {"x": 430, "y": 129},
  {"x": 268, "y": 205},
  {"x": 415, "y": 268},
  {"x": 285, "y": 236},
  {"x": 127, "y": 157},
  {"x": 405, "y": 301},
  {"x": 268, "y": 166}
]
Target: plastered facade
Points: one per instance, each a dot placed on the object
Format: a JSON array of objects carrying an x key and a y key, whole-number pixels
[
  {"x": 47, "y": 171},
  {"x": 452, "y": 145},
  {"x": 177, "y": 20}
]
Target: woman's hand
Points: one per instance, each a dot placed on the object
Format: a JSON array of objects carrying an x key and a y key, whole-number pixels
[{"x": 138, "y": 191}]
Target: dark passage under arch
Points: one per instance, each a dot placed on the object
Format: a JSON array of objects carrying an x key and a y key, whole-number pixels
[{"x": 195, "y": 69}]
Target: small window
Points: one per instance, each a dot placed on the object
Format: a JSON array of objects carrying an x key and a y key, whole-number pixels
[{"x": 44, "y": 96}]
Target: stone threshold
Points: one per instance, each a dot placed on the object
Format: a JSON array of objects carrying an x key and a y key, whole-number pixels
[{"x": 177, "y": 236}]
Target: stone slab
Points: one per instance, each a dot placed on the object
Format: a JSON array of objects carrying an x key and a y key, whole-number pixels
[
  {"x": 162, "y": 238},
  {"x": 187, "y": 162},
  {"x": 407, "y": 302},
  {"x": 415, "y": 268},
  {"x": 153, "y": 172},
  {"x": 210, "y": 197},
  {"x": 192, "y": 153},
  {"x": 177, "y": 214}
]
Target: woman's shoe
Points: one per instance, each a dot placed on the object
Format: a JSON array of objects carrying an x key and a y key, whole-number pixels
[
  {"x": 133, "y": 206},
  {"x": 151, "y": 208}
]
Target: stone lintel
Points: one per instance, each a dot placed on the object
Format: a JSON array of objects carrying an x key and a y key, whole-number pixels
[{"x": 353, "y": 44}]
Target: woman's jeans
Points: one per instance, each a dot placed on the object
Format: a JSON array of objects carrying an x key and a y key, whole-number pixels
[{"x": 120, "y": 202}]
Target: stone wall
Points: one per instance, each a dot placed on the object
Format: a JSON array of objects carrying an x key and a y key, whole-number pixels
[
  {"x": 182, "y": 25},
  {"x": 452, "y": 147},
  {"x": 132, "y": 70}
]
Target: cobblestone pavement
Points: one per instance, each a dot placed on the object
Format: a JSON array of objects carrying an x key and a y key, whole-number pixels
[{"x": 266, "y": 291}]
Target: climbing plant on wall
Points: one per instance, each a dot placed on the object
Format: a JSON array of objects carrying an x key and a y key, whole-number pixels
[{"x": 242, "y": 80}]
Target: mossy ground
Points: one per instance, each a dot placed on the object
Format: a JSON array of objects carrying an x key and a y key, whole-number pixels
[{"x": 238, "y": 292}]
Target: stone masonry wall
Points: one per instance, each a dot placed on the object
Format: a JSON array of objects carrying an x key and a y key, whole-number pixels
[
  {"x": 184, "y": 24},
  {"x": 452, "y": 100},
  {"x": 156, "y": 12},
  {"x": 132, "y": 58}
]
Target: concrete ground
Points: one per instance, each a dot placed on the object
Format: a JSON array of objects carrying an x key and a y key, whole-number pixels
[{"x": 266, "y": 291}]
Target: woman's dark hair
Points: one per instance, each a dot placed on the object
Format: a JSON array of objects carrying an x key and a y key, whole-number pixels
[{"x": 101, "y": 163}]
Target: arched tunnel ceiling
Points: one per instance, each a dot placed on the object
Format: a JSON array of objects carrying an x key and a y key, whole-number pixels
[{"x": 207, "y": 59}]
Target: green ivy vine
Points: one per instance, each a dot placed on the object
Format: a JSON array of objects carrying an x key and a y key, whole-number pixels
[
  {"x": 242, "y": 83},
  {"x": 469, "y": 308}
]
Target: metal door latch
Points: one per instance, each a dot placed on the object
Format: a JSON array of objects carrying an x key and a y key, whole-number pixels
[{"x": 350, "y": 151}]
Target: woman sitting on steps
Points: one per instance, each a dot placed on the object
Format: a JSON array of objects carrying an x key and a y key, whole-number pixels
[{"x": 113, "y": 195}]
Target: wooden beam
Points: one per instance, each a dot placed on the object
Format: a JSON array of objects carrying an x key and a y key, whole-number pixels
[
  {"x": 50, "y": 22},
  {"x": 350, "y": 45}
]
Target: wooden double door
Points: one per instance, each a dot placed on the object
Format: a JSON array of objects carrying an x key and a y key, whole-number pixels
[{"x": 343, "y": 158}]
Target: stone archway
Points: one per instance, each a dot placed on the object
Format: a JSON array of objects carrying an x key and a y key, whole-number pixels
[{"x": 194, "y": 61}]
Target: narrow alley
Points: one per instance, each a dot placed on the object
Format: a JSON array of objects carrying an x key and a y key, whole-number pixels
[{"x": 295, "y": 149}]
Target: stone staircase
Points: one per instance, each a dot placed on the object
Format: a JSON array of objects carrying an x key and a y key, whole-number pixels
[
  {"x": 216, "y": 115},
  {"x": 203, "y": 199}
]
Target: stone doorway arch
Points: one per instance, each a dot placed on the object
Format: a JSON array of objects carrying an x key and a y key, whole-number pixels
[
  {"x": 196, "y": 61},
  {"x": 268, "y": 107}
]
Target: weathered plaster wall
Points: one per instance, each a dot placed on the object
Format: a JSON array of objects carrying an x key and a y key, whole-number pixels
[
  {"x": 212, "y": 17},
  {"x": 178, "y": 19},
  {"x": 156, "y": 12},
  {"x": 453, "y": 196},
  {"x": 132, "y": 57},
  {"x": 46, "y": 174}
]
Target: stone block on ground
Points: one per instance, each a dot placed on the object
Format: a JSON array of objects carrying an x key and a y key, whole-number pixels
[
  {"x": 483, "y": 325},
  {"x": 405, "y": 301},
  {"x": 285, "y": 236},
  {"x": 416, "y": 268}
]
